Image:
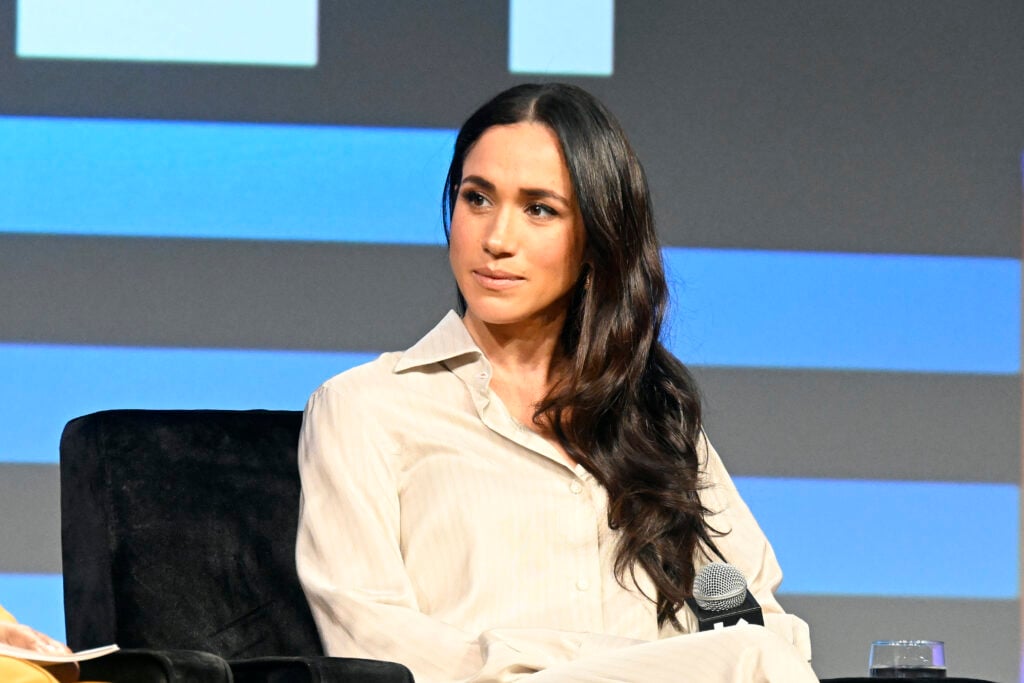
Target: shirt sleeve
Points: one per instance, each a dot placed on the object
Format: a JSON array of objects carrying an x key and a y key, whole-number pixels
[
  {"x": 745, "y": 546},
  {"x": 348, "y": 554}
]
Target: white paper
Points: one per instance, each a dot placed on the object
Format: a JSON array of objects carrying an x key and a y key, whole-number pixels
[{"x": 33, "y": 656}]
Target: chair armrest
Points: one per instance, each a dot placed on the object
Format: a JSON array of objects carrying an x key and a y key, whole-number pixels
[
  {"x": 317, "y": 670},
  {"x": 157, "y": 666}
]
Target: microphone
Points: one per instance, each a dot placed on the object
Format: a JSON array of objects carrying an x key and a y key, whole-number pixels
[{"x": 720, "y": 598}]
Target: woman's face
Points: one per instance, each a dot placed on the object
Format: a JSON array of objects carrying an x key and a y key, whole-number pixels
[{"x": 516, "y": 238}]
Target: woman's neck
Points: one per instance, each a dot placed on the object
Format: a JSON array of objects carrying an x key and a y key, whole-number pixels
[
  {"x": 522, "y": 361},
  {"x": 525, "y": 351}
]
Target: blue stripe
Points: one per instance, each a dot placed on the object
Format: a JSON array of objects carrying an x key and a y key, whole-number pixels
[
  {"x": 222, "y": 180},
  {"x": 845, "y": 311},
  {"x": 45, "y": 386},
  {"x": 891, "y": 538},
  {"x": 36, "y": 600},
  {"x": 867, "y": 538}
]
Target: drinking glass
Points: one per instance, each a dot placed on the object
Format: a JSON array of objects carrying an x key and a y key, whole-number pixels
[{"x": 907, "y": 659}]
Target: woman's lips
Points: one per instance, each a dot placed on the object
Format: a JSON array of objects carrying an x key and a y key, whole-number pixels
[{"x": 496, "y": 279}]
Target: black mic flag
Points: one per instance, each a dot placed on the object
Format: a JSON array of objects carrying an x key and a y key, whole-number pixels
[{"x": 721, "y": 599}]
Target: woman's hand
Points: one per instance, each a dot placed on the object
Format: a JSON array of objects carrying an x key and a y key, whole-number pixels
[{"x": 28, "y": 638}]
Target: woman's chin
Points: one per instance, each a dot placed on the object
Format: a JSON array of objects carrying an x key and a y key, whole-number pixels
[
  {"x": 512, "y": 316},
  {"x": 492, "y": 318}
]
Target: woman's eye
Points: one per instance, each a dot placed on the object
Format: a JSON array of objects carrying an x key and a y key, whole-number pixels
[
  {"x": 474, "y": 198},
  {"x": 540, "y": 211}
]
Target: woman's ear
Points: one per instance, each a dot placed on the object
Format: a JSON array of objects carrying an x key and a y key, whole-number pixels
[{"x": 586, "y": 271}]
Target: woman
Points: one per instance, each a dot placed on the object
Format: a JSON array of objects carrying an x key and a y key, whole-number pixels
[{"x": 528, "y": 488}]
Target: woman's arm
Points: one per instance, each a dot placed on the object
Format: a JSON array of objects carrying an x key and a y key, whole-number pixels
[{"x": 350, "y": 561}]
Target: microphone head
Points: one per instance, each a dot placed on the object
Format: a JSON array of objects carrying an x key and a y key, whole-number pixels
[{"x": 719, "y": 586}]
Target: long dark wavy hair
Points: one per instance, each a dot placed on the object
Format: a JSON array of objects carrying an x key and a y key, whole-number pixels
[{"x": 623, "y": 406}]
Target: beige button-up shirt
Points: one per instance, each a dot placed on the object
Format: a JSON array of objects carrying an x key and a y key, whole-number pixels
[{"x": 438, "y": 532}]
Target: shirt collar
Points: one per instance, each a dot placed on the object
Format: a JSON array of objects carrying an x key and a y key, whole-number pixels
[
  {"x": 448, "y": 340},
  {"x": 450, "y": 344}
]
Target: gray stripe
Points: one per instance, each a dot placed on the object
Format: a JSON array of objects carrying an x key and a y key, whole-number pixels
[
  {"x": 30, "y": 509},
  {"x": 220, "y": 293},
  {"x": 864, "y": 425},
  {"x": 982, "y": 636}
]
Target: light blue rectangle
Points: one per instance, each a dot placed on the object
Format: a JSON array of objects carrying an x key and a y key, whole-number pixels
[
  {"x": 222, "y": 180},
  {"x": 265, "y": 32},
  {"x": 568, "y": 37},
  {"x": 845, "y": 311},
  {"x": 891, "y": 538},
  {"x": 36, "y": 600},
  {"x": 46, "y": 386}
]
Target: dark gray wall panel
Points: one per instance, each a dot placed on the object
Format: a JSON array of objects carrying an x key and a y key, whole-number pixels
[
  {"x": 220, "y": 293},
  {"x": 982, "y": 636},
  {"x": 30, "y": 527},
  {"x": 381, "y": 62},
  {"x": 864, "y": 425},
  {"x": 854, "y": 126}
]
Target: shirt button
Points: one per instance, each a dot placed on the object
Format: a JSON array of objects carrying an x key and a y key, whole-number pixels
[
  {"x": 582, "y": 585},
  {"x": 575, "y": 488}
]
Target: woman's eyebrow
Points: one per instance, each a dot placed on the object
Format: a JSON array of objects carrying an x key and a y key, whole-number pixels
[
  {"x": 477, "y": 180},
  {"x": 543, "y": 194},
  {"x": 529, "y": 192}
]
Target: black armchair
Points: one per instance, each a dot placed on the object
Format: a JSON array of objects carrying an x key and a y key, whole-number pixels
[{"x": 178, "y": 531}]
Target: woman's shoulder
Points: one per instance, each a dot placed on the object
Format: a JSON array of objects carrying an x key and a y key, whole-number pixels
[
  {"x": 365, "y": 376},
  {"x": 353, "y": 395},
  {"x": 382, "y": 381},
  {"x": 424, "y": 361}
]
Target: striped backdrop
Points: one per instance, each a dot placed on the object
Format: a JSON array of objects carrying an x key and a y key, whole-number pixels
[{"x": 212, "y": 223}]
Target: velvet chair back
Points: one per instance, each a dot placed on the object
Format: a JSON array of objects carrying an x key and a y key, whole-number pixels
[{"x": 178, "y": 532}]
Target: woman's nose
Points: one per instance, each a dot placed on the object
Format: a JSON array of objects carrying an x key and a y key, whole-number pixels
[{"x": 500, "y": 237}]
